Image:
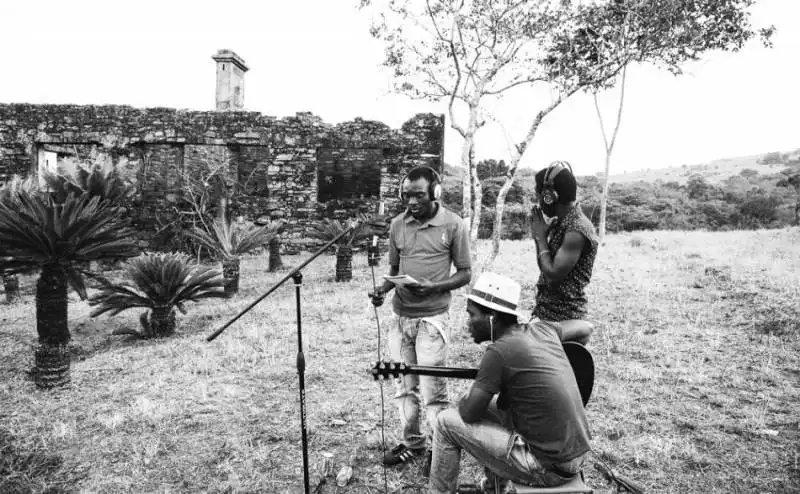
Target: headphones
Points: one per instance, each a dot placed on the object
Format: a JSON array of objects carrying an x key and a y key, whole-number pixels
[
  {"x": 434, "y": 182},
  {"x": 549, "y": 194}
]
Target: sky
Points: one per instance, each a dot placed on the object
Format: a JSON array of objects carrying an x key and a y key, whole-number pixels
[{"x": 318, "y": 56}]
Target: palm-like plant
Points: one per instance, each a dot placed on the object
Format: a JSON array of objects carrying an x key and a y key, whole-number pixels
[
  {"x": 99, "y": 179},
  {"x": 229, "y": 240},
  {"x": 161, "y": 283},
  {"x": 328, "y": 229},
  {"x": 8, "y": 193},
  {"x": 40, "y": 233}
]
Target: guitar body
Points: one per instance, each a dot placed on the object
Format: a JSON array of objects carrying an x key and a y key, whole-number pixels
[
  {"x": 580, "y": 359},
  {"x": 582, "y": 363}
]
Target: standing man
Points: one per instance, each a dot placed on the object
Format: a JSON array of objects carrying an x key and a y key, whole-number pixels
[
  {"x": 424, "y": 243},
  {"x": 566, "y": 249},
  {"x": 535, "y": 432}
]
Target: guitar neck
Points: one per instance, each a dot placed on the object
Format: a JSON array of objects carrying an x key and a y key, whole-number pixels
[{"x": 430, "y": 370}]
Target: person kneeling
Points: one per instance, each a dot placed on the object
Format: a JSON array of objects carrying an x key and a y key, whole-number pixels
[{"x": 534, "y": 431}]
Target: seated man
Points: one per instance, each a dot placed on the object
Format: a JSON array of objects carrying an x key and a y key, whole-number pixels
[
  {"x": 566, "y": 250},
  {"x": 535, "y": 432}
]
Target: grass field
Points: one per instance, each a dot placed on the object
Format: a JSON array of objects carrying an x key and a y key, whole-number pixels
[{"x": 697, "y": 350}]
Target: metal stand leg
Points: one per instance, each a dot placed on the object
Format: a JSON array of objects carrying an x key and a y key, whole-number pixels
[{"x": 301, "y": 370}]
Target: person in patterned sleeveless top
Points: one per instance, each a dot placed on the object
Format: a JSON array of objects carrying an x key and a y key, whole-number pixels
[{"x": 566, "y": 248}]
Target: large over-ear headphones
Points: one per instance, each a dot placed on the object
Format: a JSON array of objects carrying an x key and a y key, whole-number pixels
[
  {"x": 434, "y": 182},
  {"x": 549, "y": 193}
]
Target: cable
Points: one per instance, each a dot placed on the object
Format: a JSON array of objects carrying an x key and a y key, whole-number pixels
[{"x": 383, "y": 407}]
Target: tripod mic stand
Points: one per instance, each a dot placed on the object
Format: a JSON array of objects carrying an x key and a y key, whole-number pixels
[{"x": 297, "y": 277}]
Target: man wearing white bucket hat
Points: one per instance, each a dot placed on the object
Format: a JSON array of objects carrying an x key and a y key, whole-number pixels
[{"x": 535, "y": 432}]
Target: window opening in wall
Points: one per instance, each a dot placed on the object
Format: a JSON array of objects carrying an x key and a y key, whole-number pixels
[
  {"x": 48, "y": 162},
  {"x": 348, "y": 176}
]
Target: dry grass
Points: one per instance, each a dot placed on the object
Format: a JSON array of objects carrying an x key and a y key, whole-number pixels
[{"x": 697, "y": 390}]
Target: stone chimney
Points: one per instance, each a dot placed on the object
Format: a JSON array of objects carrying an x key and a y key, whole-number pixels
[{"x": 230, "y": 81}]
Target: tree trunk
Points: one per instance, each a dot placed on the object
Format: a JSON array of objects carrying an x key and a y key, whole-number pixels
[
  {"x": 51, "y": 366},
  {"x": 518, "y": 153},
  {"x": 609, "y": 145},
  {"x": 601, "y": 228},
  {"x": 51, "y": 306},
  {"x": 344, "y": 263},
  {"x": 11, "y": 285},
  {"x": 52, "y": 357},
  {"x": 477, "y": 199},
  {"x": 275, "y": 261},
  {"x": 162, "y": 322},
  {"x": 230, "y": 273},
  {"x": 497, "y": 230}
]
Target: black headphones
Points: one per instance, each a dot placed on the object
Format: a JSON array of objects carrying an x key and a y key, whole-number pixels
[
  {"x": 434, "y": 185},
  {"x": 549, "y": 194}
]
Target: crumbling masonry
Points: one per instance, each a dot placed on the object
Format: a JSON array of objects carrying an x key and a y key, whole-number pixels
[{"x": 298, "y": 169}]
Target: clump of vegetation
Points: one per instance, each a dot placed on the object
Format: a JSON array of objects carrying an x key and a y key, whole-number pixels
[
  {"x": 328, "y": 229},
  {"x": 229, "y": 240},
  {"x": 57, "y": 233},
  {"x": 160, "y": 283},
  {"x": 25, "y": 468},
  {"x": 9, "y": 191}
]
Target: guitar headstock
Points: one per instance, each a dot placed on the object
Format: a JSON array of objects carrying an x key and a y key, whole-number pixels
[{"x": 386, "y": 370}]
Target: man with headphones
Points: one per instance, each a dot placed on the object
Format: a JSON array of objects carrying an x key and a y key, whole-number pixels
[
  {"x": 523, "y": 417},
  {"x": 566, "y": 248},
  {"x": 425, "y": 242}
]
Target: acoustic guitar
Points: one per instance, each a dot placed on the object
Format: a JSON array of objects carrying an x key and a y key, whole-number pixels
[{"x": 579, "y": 357}]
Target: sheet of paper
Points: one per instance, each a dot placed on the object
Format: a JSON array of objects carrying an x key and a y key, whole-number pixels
[{"x": 400, "y": 280}]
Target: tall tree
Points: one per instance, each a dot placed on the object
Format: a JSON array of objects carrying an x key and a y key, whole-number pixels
[
  {"x": 608, "y": 144},
  {"x": 468, "y": 51},
  {"x": 463, "y": 52}
]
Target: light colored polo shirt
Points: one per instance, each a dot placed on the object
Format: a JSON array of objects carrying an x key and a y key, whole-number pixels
[{"x": 427, "y": 250}]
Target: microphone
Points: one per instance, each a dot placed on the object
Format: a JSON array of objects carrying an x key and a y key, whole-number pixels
[
  {"x": 380, "y": 214},
  {"x": 373, "y": 251}
]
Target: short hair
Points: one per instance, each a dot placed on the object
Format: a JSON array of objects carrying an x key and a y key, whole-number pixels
[
  {"x": 425, "y": 172},
  {"x": 564, "y": 183}
]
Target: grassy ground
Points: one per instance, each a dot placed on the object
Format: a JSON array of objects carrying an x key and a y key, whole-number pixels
[{"x": 696, "y": 347}]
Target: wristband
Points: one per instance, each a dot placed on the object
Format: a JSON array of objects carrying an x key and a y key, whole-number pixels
[{"x": 542, "y": 253}]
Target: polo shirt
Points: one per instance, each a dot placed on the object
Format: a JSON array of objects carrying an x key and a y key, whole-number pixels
[{"x": 427, "y": 250}]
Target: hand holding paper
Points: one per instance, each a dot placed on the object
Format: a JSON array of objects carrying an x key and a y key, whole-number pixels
[{"x": 400, "y": 280}]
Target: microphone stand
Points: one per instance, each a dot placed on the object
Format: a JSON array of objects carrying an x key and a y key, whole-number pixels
[
  {"x": 301, "y": 374},
  {"x": 297, "y": 277}
]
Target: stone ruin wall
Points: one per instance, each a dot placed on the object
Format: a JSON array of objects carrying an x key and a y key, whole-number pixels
[{"x": 297, "y": 169}]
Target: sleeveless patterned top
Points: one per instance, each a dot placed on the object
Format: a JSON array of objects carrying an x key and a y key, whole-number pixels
[{"x": 567, "y": 300}]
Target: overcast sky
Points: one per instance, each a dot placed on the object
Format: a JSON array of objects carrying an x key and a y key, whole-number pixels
[{"x": 317, "y": 55}]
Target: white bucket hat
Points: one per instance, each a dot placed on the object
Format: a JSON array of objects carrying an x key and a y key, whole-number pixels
[{"x": 496, "y": 292}]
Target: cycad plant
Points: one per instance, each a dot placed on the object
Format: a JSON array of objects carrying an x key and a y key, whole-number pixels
[
  {"x": 162, "y": 283},
  {"x": 229, "y": 240},
  {"x": 328, "y": 229},
  {"x": 56, "y": 238},
  {"x": 8, "y": 194},
  {"x": 93, "y": 179}
]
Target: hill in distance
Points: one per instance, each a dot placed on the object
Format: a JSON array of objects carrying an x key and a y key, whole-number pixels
[{"x": 714, "y": 172}]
